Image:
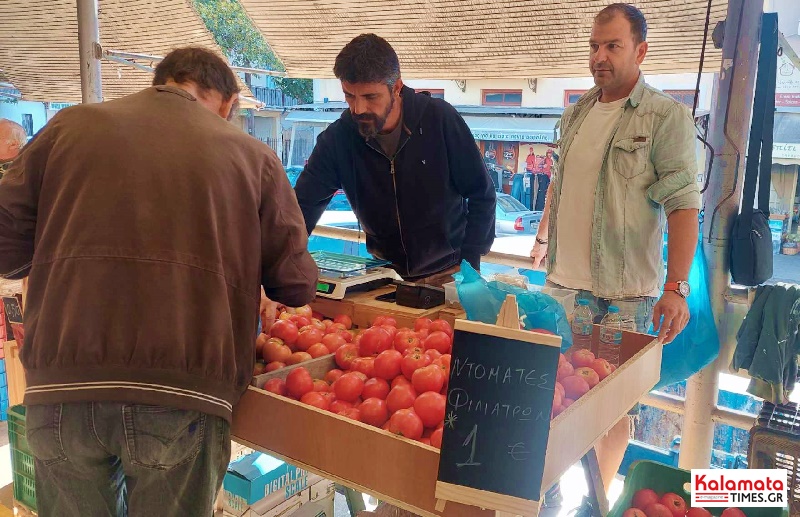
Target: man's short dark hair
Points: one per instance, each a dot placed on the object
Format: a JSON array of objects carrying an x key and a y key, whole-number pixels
[
  {"x": 368, "y": 59},
  {"x": 200, "y": 66},
  {"x": 631, "y": 13}
]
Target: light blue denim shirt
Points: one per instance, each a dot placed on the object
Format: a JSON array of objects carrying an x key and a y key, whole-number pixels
[{"x": 649, "y": 170}]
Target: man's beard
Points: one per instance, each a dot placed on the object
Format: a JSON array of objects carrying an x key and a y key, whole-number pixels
[{"x": 370, "y": 124}]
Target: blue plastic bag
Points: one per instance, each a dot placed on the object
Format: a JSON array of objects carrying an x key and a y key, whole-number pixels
[
  {"x": 698, "y": 345},
  {"x": 482, "y": 301}
]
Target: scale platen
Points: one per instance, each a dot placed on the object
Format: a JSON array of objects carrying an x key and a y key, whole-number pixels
[{"x": 340, "y": 274}]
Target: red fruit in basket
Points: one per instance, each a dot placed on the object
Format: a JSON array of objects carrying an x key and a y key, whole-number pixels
[
  {"x": 333, "y": 341},
  {"x": 338, "y": 406},
  {"x": 602, "y": 367},
  {"x": 300, "y": 321},
  {"x": 401, "y": 397},
  {"x": 298, "y": 357},
  {"x": 444, "y": 363},
  {"x": 345, "y": 320},
  {"x": 376, "y": 388},
  {"x": 387, "y": 364},
  {"x": 422, "y": 323},
  {"x": 430, "y": 408},
  {"x": 360, "y": 375},
  {"x": 558, "y": 398},
  {"x": 352, "y": 414},
  {"x": 319, "y": 325},
  {"x": 271, "y": 367},
  {"x": 276, "y": 386},
  {"x": 567, "y": 402},
  {"x": 422, "y": 334},
  {"x": 429, "y": 378},
  {"x": 365, "y": 365},
  {"x": 391, "y": 330},
  {"x": 285, "y": 330},
  {"x": 441, "y": 326},
  {"x": 433, "y": 354},
  {"x": 415, "y": 350},
  {"x": 318, "y": 350},
  {"x": 308, "y": 337},
  {"x": 400, "y": 381},
  {"x": 675, "y": 503},
  {"x": 305, "y": 310},
  {"x": 575, "y": 387},
  {"x": 333, "y": 375},
  {"x": 439, "y": 341},
  {"x": 582, "y": 357},
  {"x": 259, "y": 368},
  {"x": 657, "y": 510},
  {"x": 334, "y": 327},
  {"x": 384, "y": 320},
  {"x": 374, "y": 411},
  {"x": 261, "y": 340},
  {"x": 347, "y": 335},
  {"x": 345, "y": 356},
  {"x": 326, "y": 321},
  {"x": 321, "y": 386},
  {"x": 732, "y": 512},
  {"x": 316, "y": 400},
  {"x": 299, "y": 382},
  {"x": 436, "y": 438},
  {"x": 374, "y": 341},
  {"x": 407, "y": 423},
  {"x": 644, "y": 498},
  {"x": 701, "y": 512},
  {"x": 633, "y": 512},
  {"x": 413, "y": 362},
  {"x": 405, "y": 340},
  {"x": 564, "y": 370},
  {"x": 589, "y": 374},
  {"x": 557, "y": 410},
  {"x": 559, "y": 388},
  {"x": 348, "y": 387},
  {"x": 275, "y": 350}
]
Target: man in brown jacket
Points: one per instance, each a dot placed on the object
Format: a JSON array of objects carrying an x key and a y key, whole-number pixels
[{"x": 148, "y": 225}]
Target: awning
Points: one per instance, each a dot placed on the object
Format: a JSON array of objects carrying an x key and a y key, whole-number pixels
[
  {"x": 315, "y": 118},
  {"x": 513, "y": 129}
]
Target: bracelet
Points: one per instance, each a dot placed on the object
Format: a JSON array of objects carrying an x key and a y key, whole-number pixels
[{"x": 540, "y": 241}]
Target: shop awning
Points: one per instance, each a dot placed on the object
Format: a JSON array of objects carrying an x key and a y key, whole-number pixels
[
  {"x": 513, "y": 129},
  {"x": 315, "y": 118}
]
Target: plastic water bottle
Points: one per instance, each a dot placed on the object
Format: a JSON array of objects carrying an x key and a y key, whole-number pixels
[
  {"x": 611, "y": 336},
  {"x": 582, "y": 325}
]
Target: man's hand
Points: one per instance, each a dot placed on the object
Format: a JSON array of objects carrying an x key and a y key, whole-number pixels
[
  {"x": 538, "y": 253},
  {"x": 675, "y": 311}
]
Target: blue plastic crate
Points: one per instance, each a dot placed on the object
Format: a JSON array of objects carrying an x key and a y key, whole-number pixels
[
  {"x": 2, "y": 366},
  {"x": 4, "y": 382}
]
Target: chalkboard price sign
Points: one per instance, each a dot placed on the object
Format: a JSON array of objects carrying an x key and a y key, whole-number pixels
[
  {"x": 12, "y": 309},
  {"x": 497, "y": 419}
]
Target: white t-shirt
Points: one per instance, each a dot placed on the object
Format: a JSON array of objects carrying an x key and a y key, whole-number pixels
[{"x": 580, "y": 174}]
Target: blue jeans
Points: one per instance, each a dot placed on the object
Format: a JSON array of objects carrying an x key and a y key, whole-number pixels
[
  {"x": 110, "y": 459},
  {"x": 640, "y": 309}
]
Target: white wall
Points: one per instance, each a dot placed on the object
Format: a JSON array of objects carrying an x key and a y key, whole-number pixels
[
  {"x": 549, "y": 91},
  {"x": 16, "y": 110}
]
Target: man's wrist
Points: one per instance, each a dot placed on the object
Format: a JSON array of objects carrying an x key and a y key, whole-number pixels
[{"x": 541, "y": 240}]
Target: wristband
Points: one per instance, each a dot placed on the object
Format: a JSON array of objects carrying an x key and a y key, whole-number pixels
[{"x": 540, "y": 241}]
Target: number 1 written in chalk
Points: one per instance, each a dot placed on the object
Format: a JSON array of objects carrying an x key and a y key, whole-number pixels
[{"x": 471, "y": 437}]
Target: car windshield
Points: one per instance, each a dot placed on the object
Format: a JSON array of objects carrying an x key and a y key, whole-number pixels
[{"x": 509, "y": 204}]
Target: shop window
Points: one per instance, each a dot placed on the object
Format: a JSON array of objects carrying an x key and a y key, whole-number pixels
[
  {"x": 685, "y": 97},
  {"x": 572, "y": 96},
  {"x": 501, "y": 97},
  {"x": 27, "y": 123},
  {"x": 436, "y": 94}
]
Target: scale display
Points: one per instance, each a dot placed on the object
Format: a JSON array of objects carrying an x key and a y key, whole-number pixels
[{"x": 339, "y": 273}]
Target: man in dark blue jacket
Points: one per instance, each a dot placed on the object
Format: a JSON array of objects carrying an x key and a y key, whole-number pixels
[{"x": 408, "y": 165}]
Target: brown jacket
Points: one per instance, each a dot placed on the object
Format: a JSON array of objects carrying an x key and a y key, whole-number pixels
[{"x": 148, "y": 224}]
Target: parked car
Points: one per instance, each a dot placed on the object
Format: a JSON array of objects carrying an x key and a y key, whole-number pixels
[{"x": 513, "y": 218}]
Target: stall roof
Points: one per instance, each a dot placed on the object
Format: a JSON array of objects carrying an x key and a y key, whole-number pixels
[
  {"x": 475, "y": 39},
  {"x": 39, "y": 43}
]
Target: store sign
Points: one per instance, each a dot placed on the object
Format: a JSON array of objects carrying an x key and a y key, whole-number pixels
[
  {"x": 56, "y": 106},
  {"x": 497, "y": 419},
  {"x": 781, "y": 150},
  {"x": 512, "y": 137},
  {"x": 12, "y": 309}
]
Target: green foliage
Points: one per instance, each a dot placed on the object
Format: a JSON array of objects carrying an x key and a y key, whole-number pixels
[{"x": 244, "y": 45}]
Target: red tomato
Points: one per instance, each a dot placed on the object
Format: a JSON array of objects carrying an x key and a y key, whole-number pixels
[
  {"x": 436, "y": 438},
  {"x": 429, "y": 378},
  {"x": 644, "y": 498},
  {"x": 360, "y": 375},
  {"x": 405, "y": 340},
  {"x": 298, "y": 357},
  {"x": 375, "y": 388},
  {"x": 602, "y": 367},
  {"x": 326, "y": 321},
  {"x": 345, "y": 320},
  {"x": 333, "y": 341},
  {"x": 333, "y": 376},
  {"x": 424, "y": 441},
  {"x": 347, "y": 335},
  {"x": 374, "y": 341},
  {"x": 590, "y": 376},
  {"x": 575, "y": 387},
  {"x": 300, "y": 321},
  {"x": 285, "y": 330},
  {"x": 433, "y": 354},
  {"x": 318, "y": 350},
  {"x": 365, "y": 365},
  {"x": 274, "y": 350},
  {"x": 582, "y": 358},
  {"x": 316, "y": 400},
  {"x": 698, "y": 512},
  {"x": 345, "y": 356},
  {"x": 338, "y": 406},
  {"x": 441, "y": 326},
  {"x": 401, "y": 397},
  {"x": 352, "y": 414},
  {"x": 276, "y": 386},
  {"x": 374, "y": 411},
  {"x": 308, "y": 337},
  {"x": 415, "y": 350},
  {"x": 391, "y": 330},
  {"x": 444, "y": 362},
  {"x": 565, "y": 369},
  {"x": 387, "y": 364},
  {"x": 430, "y": 408},
  {"x": 405, "y": 422},
  {"x": 321, "y": 386},
  {"x": 318, "y": 324},
  {"x": 275, "y": 365},
  {"x": 423, "y": 333},
  {"x": 259, "y": 368},
  {"x": 439, "y": 341},
  {"x": 422, "y": 323},
  {"x": 348, "y": 387},
  {"x": 299, "y": 382},
  {"x": 400, "y": 381},
  {"x": 334, "y": 327},
  {"x": 675, "y": 503},
  {"x": 413, "y": 362},
  {"x": 384, "y": 320}
]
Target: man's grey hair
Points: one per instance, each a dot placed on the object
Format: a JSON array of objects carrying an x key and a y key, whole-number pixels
[{"x": 12, "y": 133}]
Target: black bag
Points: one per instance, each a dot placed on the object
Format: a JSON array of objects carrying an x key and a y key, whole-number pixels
[{"x": 751, "y": 242}]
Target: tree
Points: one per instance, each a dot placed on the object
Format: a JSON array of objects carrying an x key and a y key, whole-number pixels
[{"x": 244, "y": 45}]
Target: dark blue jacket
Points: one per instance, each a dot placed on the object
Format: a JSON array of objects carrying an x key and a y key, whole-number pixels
[{"x": 424, "y": 209}]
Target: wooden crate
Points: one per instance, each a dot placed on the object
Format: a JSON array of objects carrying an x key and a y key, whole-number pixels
[
  {"x": 402, "y": 472},
  {"x": 15, "y": 373}
]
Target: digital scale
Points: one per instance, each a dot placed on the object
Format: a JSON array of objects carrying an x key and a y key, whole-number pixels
[{"x": 341, "y": 274}]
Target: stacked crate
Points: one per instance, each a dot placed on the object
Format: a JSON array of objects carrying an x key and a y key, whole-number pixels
[{"x": 5, "y": 334}]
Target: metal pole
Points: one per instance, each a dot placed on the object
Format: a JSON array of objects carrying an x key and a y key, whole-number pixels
[
  {"x": 90, "y": 51},
  {"x": 728, "y": 136}
]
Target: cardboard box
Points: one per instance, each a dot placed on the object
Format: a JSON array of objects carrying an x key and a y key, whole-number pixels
[
  {"x": 318, "y": 497},
  {"x": 255, "y": 476}
]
